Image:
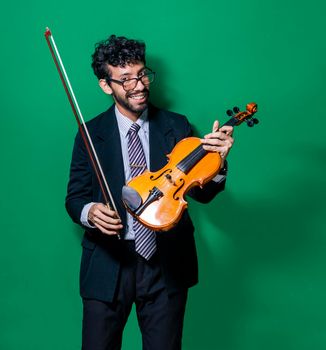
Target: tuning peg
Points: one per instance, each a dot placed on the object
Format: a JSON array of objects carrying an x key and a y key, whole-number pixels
[
  {"x": 250, "y": 123},
  {"x": 236, "y": 109},
  {"x": 255, "y": 120},
  {"x": 229, "y": 113}
]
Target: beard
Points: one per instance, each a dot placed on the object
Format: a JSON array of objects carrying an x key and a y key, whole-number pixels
[{"x": 127, "y": 104}]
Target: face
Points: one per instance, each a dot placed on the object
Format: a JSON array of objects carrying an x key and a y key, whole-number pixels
[{"x": 130, "y": 103}]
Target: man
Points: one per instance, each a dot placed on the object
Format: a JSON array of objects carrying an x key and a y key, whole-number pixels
[{"x": 152, "y": 270}]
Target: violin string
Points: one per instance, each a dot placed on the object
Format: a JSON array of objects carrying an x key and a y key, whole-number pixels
[
  {"x": 186, "y": 161},
  {"x": 191, "y": 156},
  {"x": 83, "y": 123}
]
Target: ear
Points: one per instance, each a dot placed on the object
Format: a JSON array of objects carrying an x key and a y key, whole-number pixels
[{"x": 105, "y": 86}]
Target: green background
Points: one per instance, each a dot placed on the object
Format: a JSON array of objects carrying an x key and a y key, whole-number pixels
[{"x": 261, "y": 243}]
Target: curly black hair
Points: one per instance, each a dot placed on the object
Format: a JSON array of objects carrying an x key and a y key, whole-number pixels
[{"x": 116, "y": 51}]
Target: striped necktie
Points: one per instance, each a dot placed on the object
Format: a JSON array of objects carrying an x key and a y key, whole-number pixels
[{"x": 145, "y": 240}]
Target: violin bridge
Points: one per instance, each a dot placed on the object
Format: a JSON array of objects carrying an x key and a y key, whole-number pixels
[{"x": 169, "y": 178}]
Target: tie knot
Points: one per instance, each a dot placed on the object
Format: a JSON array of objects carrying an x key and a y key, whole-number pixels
[{"x": 134, "y": 128}]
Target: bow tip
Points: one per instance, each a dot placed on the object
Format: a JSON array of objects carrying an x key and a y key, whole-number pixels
[{"x": 47, "y": 32}]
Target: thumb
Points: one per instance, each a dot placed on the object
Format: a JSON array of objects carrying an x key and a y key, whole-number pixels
[{"x": 216, "y": 126}]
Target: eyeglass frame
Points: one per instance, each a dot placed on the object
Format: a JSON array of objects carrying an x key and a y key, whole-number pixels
[{"x": 121, "y": 82}]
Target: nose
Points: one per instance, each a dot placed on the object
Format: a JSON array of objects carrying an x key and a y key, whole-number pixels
[{"x": 140, "y": 84}]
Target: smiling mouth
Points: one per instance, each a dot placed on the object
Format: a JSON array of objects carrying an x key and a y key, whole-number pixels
[{"x": 140, "y": 96}]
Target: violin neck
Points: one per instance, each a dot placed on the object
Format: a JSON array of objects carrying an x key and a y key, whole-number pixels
[{"x": 231, "y": 122}]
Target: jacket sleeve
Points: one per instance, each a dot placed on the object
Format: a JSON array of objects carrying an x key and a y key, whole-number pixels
[{"x": 79, "y": 190}]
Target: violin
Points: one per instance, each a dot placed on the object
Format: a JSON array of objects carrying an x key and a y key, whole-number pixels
[{"x": 156, "y": 199}]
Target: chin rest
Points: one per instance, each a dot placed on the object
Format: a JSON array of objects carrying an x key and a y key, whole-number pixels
[{"x": 131, "y": 198}]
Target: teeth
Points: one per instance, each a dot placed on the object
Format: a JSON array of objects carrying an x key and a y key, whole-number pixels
[{"x": 138, "y": 97}]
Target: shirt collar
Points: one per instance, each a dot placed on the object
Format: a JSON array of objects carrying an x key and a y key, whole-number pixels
[{"x": 124, "y": 123}]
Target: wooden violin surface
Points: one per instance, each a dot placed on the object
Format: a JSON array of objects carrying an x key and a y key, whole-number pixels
[{"x": 160, "y": 195}]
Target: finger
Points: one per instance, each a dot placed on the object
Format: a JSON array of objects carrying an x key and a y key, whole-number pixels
[
  {"x": 100, "y": 210},
  {"x": 219, "y": 149},
  {"x": 213, "y": 142},
  {"x": 107, "y": 211},
  {"x": 215, "y": 126},
  {"x": 227, "y": 129},
  {"x": 96, "y": 208},
  {"x": 216, "y": 135},
  {"x": 108, "y": 225},
  {"x": 103, "y": 230},
  {"x": 106, "y": 218},
  {"x": 229, "y": 143},
  {"x": 97, "y": 214}
]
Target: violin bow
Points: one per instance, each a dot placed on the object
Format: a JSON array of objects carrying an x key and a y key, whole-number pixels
[{"x": 107, "y": 195}]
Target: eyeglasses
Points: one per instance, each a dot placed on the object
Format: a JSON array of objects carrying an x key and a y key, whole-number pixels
[{"x": 146, "y": 77}]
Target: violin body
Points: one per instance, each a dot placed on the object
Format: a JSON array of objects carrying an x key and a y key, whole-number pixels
[
  {"x": 164, "y": 213},
  {"x": 157, "y": 199}
]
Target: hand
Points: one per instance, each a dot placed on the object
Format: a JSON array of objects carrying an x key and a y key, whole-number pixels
[
  {"x": 219, "y": 140},
  {"x": 105, "y": 219}
]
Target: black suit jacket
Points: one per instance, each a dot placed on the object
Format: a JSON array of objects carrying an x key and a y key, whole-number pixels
[{"x": 101, "y": 256}]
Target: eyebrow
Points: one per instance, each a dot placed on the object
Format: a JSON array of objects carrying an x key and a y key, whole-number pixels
[
  {"x": 124, "y": 74},
  {"x": 129, "y": 74}
]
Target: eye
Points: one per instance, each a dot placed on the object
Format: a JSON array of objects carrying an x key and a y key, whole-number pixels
[{"x": 141, "y": 74}]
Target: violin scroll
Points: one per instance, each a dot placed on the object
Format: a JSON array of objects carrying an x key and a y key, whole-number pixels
[{"x": 244, "y": 116}]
